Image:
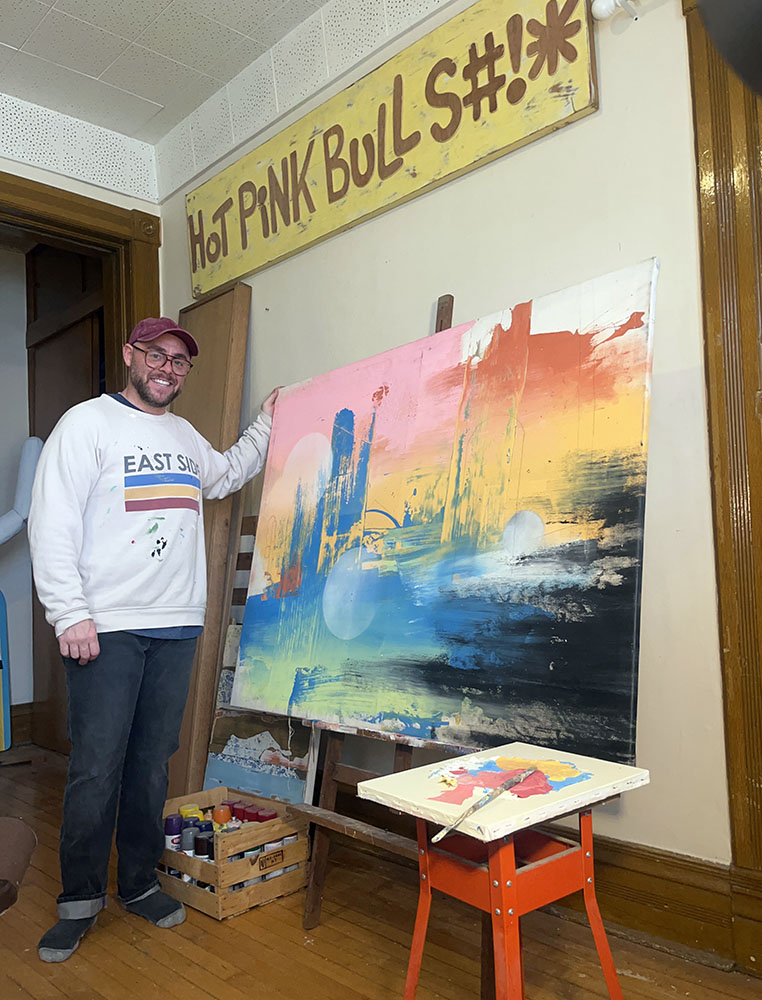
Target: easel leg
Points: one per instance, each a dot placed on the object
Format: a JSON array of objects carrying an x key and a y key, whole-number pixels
[
  {"x": 506, "y": 931},
  {"x": 593, "y": 913},
  {"x": 421, "y": 916},
  {"x": 321, "y": 840}
]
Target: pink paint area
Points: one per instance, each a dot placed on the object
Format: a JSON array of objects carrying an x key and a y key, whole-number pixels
[
  {"x": 389, "y": 384},
  {"x": 467, "y": 784}
]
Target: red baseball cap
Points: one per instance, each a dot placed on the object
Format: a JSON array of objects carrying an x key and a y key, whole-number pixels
[{"x": 153, "y": 327}]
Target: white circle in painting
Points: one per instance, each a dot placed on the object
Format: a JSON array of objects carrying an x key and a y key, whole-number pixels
[
  {"x": 523, "y": 533},
  {"x": 350, "y": 595},
  {"x": 309, "y": 463}
]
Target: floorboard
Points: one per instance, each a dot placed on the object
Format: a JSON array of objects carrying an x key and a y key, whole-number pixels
[{"x": 359, "y": 951}]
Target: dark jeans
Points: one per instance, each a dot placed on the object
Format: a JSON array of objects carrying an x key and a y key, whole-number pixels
[{"x": 125, "y": 712}]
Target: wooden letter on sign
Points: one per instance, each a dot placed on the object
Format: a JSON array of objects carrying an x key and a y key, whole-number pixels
[{"x": 501, "y": 74}]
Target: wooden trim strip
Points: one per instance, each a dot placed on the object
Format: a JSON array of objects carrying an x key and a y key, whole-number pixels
[
  {"x": 27, "y": 202},
  {"x": 21, "y": 723}
]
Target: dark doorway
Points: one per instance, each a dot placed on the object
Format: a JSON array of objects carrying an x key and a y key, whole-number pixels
[{"x": 65, "y": 365}]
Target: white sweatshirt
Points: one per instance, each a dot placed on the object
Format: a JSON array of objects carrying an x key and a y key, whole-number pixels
[{"x": 116, "y": 524}]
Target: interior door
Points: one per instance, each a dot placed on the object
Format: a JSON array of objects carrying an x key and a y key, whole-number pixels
[{"x": 65, "y": 364}]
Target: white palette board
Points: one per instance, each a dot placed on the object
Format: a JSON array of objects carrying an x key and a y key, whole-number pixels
[{"x": 564, "y": 783}]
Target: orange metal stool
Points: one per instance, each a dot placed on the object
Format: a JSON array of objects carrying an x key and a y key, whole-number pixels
[{"x": 521, "y": 872}]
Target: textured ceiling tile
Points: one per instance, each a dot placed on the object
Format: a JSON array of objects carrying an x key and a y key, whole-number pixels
[
  {"x": 127, "y": 19},
  {"x": 141, "y": 170},
  {"x": 192, "y": 39},
  {"x": 70, "y": 42},
  {"x": 94, "y": 154},
  {"x": 61, "y": 89},
  {"x": 291, "y": 14},
  {"x": 299, "y": 63},
  {"x": 211, "y": 132},
  {"x": 353, "y": 29},
  {"x": 30, "y": 133},
  {"x": 18, "y": 19},
  {"x": 241, "y": 56},
  {"x": 174, "y": 159},
  {"x": 161, "y": 123},
  {"x": 403, "y": 14},
  {"x": 6, "y": 54},
  {"x": 243, "y": 16},
  {"x": 159, "y": 79},
  {"x": 252, "y": 99}
]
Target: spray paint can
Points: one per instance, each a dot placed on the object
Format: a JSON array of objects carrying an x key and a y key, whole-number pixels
[
  {"x": 173, "y": 825},
  {"x": 172, "y": 830},
  {"x": 187, "y": 844},
  {"x": 201, "y": 850}
]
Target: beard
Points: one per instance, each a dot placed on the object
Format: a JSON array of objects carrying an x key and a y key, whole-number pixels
[{"x": 142, "y": 386}]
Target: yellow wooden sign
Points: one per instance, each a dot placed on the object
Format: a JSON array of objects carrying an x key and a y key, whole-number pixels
[{"x": 497, "y": 76}]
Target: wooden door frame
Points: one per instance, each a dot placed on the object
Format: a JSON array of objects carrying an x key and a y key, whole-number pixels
[
  {"x": 728, "y": 128},
  {"x": 128, "y": 239}
]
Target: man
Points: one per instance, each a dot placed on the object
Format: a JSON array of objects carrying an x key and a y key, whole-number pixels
[{"x": 117, "y": 545}]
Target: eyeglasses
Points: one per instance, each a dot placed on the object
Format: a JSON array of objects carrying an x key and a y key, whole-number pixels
[{"x": 157, "y": 359}]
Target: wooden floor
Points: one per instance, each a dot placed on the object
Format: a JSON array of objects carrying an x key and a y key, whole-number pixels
[{"x": 359, "y": 951}]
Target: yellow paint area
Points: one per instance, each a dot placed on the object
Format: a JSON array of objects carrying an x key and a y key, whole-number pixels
[{"x": 554, "y": 770}]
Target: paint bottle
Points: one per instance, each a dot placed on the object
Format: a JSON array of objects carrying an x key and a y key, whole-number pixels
[
  {"x": 206, "y": 826},
  {"x": 251, "y": 814},
  {"x": 229, "y": 803},
  {"x": 222, "y": 815},
  {"x": 265, "y": 815},
  {"x": 239, "y": 808},
  {"x": 190, "y": 809}
]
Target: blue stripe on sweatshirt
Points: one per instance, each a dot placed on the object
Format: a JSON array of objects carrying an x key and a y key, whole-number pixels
[{"x": 158, "y": 478}]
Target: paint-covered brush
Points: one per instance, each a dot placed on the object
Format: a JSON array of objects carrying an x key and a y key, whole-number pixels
[{"x": 515, "y": 779}]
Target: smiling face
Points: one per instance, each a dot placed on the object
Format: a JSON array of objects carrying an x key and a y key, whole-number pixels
[{"x": 153, "y": 389}]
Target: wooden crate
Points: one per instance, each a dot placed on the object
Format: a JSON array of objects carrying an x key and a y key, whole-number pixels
[{"x": 223, "y": 874}]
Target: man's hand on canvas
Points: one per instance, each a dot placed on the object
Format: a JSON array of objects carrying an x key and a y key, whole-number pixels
[
  {"x": 269, "y": 404},
  {"x": 80, "y": 642}
]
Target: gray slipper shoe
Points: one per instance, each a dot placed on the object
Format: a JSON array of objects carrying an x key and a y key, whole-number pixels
[{"x": 62, "y": 940}]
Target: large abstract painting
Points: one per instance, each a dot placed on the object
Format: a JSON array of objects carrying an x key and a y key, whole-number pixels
[{"x": 450, "y": 538}]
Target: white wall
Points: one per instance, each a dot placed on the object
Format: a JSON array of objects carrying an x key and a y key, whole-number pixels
[
  {"x": 15, "y": 566},
  {"x": 605, "y": 192}
]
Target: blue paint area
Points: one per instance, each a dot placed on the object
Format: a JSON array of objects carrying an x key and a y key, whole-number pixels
[
  {"x": 574, "y": 780},
  {"x": 267, "y": 780}
]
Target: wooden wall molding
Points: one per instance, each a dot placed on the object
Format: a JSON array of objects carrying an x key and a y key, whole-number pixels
[
  {"x": 728, "y": 122},
  {"x": 128, "y": 238},
  {"x": 21, "y": 723}
]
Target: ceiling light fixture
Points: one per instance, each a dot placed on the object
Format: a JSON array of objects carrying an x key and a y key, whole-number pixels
[{"x": 604, "y": 9}]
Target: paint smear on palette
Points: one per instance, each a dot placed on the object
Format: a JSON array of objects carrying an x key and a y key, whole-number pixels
[
  {"x": 449, "y": 545},
  {"x": 482, "y": 775}
]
